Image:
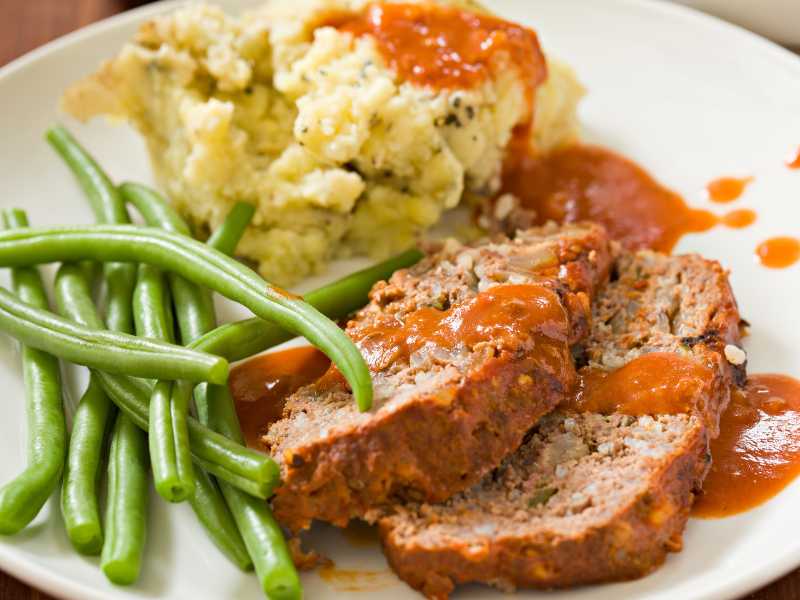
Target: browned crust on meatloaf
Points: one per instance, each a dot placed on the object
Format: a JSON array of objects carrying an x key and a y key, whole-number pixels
[
  {"x": 439, "y": 436},
  {"x": 630, "y": 545},
  {"x": 656, "y": 303}
]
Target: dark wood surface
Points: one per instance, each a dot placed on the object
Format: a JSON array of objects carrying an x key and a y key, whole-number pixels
[{"x": 27, "y": 24}]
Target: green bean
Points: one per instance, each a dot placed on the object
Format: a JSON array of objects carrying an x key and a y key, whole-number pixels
[
  {"x": 150, "y": 297},
  {"x": 202, "y": 265},
  {"x": 123, "y": 547},
  {"x": 108, "y": 207},
  {"x": 79, "y": 505},
  {"x": 215, "y": 516},
  {"x": 227, "y": 236},
  {"x": 22, "y": 498},
  {"x": 239, "y": 340},
  {"x": 102, "y": 194},
  {"x": 196, "y": 303},
  {"x": 106, "y": 350},
  {"x": 170, "y": 458},
  {"x": 262, "y": 534},
  {"x": 252, "y": 471},
  {"x": 79, "y": 502},
  {"x": 126, "y": 512},
  {"x": 154, "y": 209},
  {"x": 195, "y": 316}
]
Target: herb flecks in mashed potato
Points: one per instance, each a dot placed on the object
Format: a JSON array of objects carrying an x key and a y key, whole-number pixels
[{"x": 307, "y": 122}]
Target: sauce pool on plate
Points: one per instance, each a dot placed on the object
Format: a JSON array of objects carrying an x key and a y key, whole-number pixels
[
  {"x": 261, "y": 385},
  {"x": 583, "y": 182},
  {"x": 757, "y": 453}
]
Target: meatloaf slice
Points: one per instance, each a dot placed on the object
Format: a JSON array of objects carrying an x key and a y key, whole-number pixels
[
  {"x": 467, "y": 350},
  {"x": 589, "y": 496}
]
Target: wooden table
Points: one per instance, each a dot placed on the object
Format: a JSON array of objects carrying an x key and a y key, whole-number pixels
[{"x": 26, "y": 24}]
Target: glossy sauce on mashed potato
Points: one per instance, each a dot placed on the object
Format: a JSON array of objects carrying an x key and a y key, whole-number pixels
[{"x": 340, "y": 150}]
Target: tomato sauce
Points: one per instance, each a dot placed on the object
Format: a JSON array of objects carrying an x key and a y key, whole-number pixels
[
  {"x": 261, "y": 385},
  {"x": 504, "y": 312},
  {"x": 738, "y": 219},
  {"x": 727, "y": 189},
  {"x": 443, "y": 47},
  {"x": 793, "y": 162},
  {"x": 584, "y": 182},
  {"x": 654, "y": 383},
  {"x": 757, "y": 453},
  {"x": 778, "y": 252}
]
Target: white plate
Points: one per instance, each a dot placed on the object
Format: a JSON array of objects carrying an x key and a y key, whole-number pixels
[
  {"x": 776, "y": 19},
  {"x": 689, "y": 97}
]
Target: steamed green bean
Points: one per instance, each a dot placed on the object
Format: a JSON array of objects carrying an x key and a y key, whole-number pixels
[
  {"x": 22, "y": 498},
  {"x": 236, "y": 341},
  {"x": 106, "y": 350},
  {"x": 79, "y": 503},
  {"x": 227, "y": 236},
  {"x": 202, "y": 265},
  {"x": 170, "y": 458},
  {"x": 126, "y": 510},
  {"x": 195, "y": 316},
  {"x": 254, "y": 472}
]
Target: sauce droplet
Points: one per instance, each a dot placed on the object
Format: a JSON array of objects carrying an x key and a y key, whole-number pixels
[
  {"x": 778, "y": 252},
  {"x": 261, "y": 385},
  {"x": 758, "y": 450},
  {"x": 793, "y": 162},
  {"x": 727, "y": 189},
  {"x": 584, "y": 182},
  {"x": 737, "y": 219}
]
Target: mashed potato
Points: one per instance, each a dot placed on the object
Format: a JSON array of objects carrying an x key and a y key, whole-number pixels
[{"x": 310, "y": 124}]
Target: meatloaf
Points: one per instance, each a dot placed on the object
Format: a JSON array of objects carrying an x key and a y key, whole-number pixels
[
  {"x": 468, "y": 349},
  {"x": 592, "y": 496}
]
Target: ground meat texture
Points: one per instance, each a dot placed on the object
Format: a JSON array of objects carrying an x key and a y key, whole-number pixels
[
  {"x": 589, "y": 497},
  {"x": 660, "y": 303},
  {"x": 444, "y": 414}
]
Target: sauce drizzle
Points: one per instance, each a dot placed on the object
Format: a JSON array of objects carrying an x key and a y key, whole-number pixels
[
  {"x": 757, "y": 453},
  {"x": 500, "y": 313},
  {"x": 261, "y": 385},
  {"x": 727, "y": 189},
  {"x": 654, "y": 383},
  {"x": 583, "y": 182},
  {"x": 778, "y": 252},
  {"x": 443, "y": 47}
]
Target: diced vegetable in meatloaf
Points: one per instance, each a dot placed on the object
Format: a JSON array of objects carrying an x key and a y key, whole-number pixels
[
  {"x": 468, "y": 349},
  {"x": 595, "y": 496}
]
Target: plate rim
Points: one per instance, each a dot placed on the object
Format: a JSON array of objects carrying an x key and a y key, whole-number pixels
[{"x": 16, "y": 564}]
